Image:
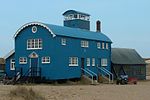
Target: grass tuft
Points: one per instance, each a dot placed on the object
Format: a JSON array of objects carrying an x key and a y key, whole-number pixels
[{"x": 23, "y": 93}]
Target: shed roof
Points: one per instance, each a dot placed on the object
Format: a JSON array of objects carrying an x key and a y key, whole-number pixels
[
  {"x": 74, "y": 12},
  {"x": 126, "y": 56},
  {"x": 2, "y": 61},
  {"x": 9, "y": 54}
]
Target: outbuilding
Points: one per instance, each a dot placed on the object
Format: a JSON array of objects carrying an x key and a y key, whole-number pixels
[{"x": 129, "y": 62}]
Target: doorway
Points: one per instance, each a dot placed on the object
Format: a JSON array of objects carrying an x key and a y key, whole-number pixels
[{"x": 82, "y": 65}]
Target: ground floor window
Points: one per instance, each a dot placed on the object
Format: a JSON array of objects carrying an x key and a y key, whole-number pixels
[
  {"x": 23, "y": 60},
  {"x": 88, "y": 61},
  {"x": 46, "y": 59},
  {"x": 93, "y": 61},
  {"x": 73, "y": 61},
  {"x": 103, "y": 62},
  {"x": 12, "y": 64}
]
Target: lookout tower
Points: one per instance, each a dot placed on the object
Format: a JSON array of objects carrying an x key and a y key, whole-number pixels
[{"x": 76, "y": 19}]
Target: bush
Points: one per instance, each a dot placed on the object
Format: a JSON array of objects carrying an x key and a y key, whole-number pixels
[{"x": 22, "y": 93}]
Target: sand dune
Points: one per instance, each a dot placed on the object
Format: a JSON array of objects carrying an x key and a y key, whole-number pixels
[{"x": 141, "y": 91}]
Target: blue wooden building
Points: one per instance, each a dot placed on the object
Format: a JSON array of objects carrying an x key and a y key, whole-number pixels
[{"x": 59, "y": 52}]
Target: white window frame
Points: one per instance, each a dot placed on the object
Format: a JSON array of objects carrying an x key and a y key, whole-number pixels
[
  {"x": 12, "y": 64},
  {"x": 107, "y": 46},
  {"x": 93, "y": 61},
  {"x": 63, "y": 41},
  {"x": 73, "y": 61},
  {"x": 84, "y": 43},
  {"x": 34, "y": 29},
  {"x": 23, "y": 60},
  {"x": 46, "y": 60},
  {"x": 104, "y": 62},
  {"x": 33, "y": 44},
  {"x": 88, "y": 61},
  {"x": 98, "y": 45},
  {"x": 103, "y": 45}
]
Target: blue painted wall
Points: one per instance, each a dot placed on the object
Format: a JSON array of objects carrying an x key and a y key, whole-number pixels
[
  {"x": 10, "y": 73},
  {"x": 77, "y": 23},
  {"x": 59, "y": 67}
]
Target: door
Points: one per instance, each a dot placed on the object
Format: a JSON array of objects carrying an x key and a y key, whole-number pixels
[
  {"x": 34, "y": 65},
  {"x": 82, "y": 65}
]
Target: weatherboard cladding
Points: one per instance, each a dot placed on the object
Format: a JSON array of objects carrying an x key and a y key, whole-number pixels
[{"x": 126, "y": 56}]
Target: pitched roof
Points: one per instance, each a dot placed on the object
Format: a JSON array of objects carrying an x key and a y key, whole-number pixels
[
  {"x": 9, "y": 54},
  {"x": 74, "y": 12},
  {"x": 69, "y": 32},
  {"x": 78, "y": 33},
  {"x": 2, "y": 61},
  {"x": 126, "y": 56}
]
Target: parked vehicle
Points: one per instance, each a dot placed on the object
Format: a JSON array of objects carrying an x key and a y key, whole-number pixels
[{"x": 122, "y": 79}]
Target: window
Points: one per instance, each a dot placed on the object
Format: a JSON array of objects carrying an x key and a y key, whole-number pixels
[
  {"x": 98, "y": 45},
  {"x": 88, "y": 61},
  {"x": 106, "y": 45},
  {"x": 93, "y": 61},
  {"x": 103, "y": 62},
  {"x": 103, "y": 45},
  {"x": 34, "y": 29},
  {"x": 34, "y": 44},
  {"x": 73, "y": 61},
  {"x": 45, "y": 59},
  {"x": 63, "y": 41},
  {"x": 22, "y": 60},
  {"x": 84, "y": 44},
  {"x": 12, "y": 64}
]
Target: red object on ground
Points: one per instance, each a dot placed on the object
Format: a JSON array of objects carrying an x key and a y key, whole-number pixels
[{"x": 132, "y": 80}]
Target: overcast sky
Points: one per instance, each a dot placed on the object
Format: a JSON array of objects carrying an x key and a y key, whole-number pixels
[{"x": 125, "y": 22}]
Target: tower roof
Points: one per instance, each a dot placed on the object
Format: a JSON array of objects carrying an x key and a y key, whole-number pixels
[{"x": 74, "y": 12}]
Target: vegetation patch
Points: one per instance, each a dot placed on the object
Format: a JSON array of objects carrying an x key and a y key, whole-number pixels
[{"x": 23, "y": 93}]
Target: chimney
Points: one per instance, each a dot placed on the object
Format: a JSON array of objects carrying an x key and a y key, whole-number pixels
[{"x": 98, "y": 26}]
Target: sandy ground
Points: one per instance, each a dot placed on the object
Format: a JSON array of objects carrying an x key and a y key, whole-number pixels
[{"x": 141, "y": 91}]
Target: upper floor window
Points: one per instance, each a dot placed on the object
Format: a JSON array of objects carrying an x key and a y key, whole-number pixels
[
  {"x": 103, "y": 45},
  {"x": 63, "y": 41},
  {"x": 34, "y": 44},
  {"x": 98, "y": 45},
  {"x": 103, "y": 62},
  {"x": 22, "y": 60},
  {"x": 85, "y": 44},
  {"x": 34, "y": 29},
  {"x": 73, "y": 61},
  {"x": 88, "y": 61},
  {"x": 46, "y": 59},
  {"x": 93, "y": 61},
  {"x": 106, "y": 45},
  {"x": 12, "y": 64}
]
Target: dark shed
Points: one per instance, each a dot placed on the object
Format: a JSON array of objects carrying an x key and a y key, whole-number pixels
[
  {"x": 128, "y": 61},
  {"x": 2, "y": 64}
]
